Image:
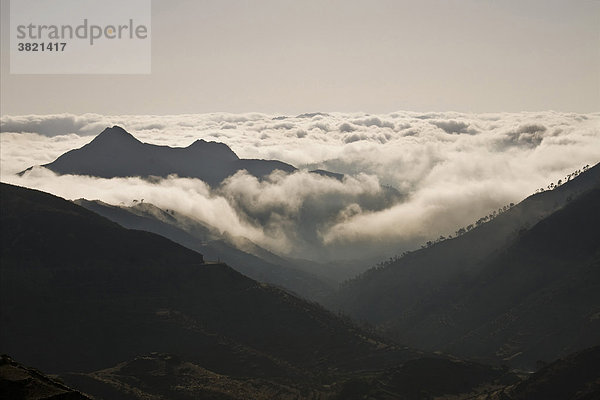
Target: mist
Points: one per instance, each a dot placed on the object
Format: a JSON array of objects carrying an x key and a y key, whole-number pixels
[{"x": 408, "y": 177}]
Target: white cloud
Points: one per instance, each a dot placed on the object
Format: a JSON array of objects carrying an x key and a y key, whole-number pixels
[
  {"x": 454, "y": 127},
  {"x": 53, "y": 125},
  {"x": 444, "y": 180}
]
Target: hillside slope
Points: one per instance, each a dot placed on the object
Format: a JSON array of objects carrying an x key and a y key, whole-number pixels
[
  {"x": 213, "y": 245},
  {"x": 18, "y": 382},
  {"x": 520, "y": 288},
  {"x": 80, "y": 293},
  {"x": 177, "y": 379},
  {"x": 126, "y": 314},
  {"x": 574, "y": 377}
]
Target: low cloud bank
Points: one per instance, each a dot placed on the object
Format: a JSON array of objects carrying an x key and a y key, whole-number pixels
[{"x": 445, "y": 170}]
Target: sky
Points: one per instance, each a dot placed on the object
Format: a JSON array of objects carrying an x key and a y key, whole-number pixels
[
  {"x": 289, "y": 57},
  {"x": 436, "y": 112}
]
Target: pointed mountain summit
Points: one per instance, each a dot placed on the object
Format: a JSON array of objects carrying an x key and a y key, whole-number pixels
[
  {"x": 117, "y": 153},
  {"x": 115, "y": 136},
  {"x": 212, "y": 149}
]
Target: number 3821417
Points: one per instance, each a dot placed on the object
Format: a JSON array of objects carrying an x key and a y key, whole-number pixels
[{"x": 42, "y": 46}]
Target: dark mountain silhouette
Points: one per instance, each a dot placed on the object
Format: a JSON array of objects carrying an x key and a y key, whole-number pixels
[
  {"x": 127, "y": 314},
  {"x": 575, "y": 377},
  {"x": 174, "y": 378},
  {"x": 429, "y": 378},
  {"x": 81, "y": 293},
  {"x": 18, "y": 382},
  {"x": 312, "y": 114},
  {"x": 309, "y": 279},
  {"x": 213, "y": 245},
  {"x": 523, "y": 287},
  {"x": 166, "y": 374},
  {"x": 328, "y": 174},
  {"x": 116, "y": 153}
]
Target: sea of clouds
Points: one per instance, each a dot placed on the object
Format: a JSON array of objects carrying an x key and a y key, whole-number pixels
[{"x": 409, "y": 177}]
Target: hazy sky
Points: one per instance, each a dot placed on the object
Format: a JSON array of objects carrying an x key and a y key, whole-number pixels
[{"x": 279, "y": 56}]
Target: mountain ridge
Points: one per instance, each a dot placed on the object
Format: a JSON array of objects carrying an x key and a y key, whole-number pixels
[
  {"x": 214, "y": 246},
  {"x": 234, "y": 332},
  {"x": 18, "y": 382},
  {"x": 117, "y": 153},
  {"x": 410, "y": 298},
  {"x": 63, "y": 263}
]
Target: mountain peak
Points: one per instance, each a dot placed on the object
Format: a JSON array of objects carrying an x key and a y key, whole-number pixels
[
  {"x": 116, "y": 135},
  {"x": 199, "y": 143},
  {"x": 219, "y": 149},
  {"x": 204, "y": 143}
]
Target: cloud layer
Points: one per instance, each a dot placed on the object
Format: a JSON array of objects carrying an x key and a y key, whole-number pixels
[{"x": 445, "y": 170}]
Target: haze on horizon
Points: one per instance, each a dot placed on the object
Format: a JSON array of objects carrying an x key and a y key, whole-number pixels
[
  {"x": 226, "y": 70},
  {"x": 379, "y": 56}
]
